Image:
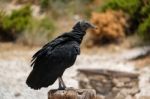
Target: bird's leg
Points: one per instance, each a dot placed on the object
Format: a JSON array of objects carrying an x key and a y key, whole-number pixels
[{"x": 62, "y": 85}]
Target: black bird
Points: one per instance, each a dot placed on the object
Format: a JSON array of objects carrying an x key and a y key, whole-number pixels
[{"x": 50, "y": 62}]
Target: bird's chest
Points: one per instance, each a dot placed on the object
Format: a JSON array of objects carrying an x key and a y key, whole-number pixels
[
  {"x": 69, "y": 55},
  {"x": 66, "y": 55}
]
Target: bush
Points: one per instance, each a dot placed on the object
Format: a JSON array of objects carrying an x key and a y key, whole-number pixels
[
  {"x": 13, "y": 24},
  {"x": 110, "y": 27},
  {"x": 20, "y": 25},
  {"x": 66, "y": 8},
  {"x": 38, "y": 32},
  {"x": 128, "y": 6},
  {"x": 44, "y": 4},
  {"x": 138, "y": 11},
  {"x": 131, "y": 7},
  {"x": 144, "y": 29},
  {"x": 145, "y": 10},
  {"x": 18, "y": 20}
]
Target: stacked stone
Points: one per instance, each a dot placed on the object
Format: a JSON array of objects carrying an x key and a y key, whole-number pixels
[{"x": 110, "y": 84}]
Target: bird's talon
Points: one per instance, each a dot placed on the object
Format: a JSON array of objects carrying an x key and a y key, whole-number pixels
[
  {"x": 69, "y": 88},
  {"x": 61, "y": 88}
]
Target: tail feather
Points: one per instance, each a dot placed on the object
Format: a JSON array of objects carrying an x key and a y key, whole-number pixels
[{"x": 38, "y": 79}]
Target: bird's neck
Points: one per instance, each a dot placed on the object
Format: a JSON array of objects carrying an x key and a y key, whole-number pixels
[{"x": 77, "y": 35}]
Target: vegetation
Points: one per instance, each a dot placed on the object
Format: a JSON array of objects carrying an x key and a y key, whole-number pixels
[
  {"x": 66, "y": 7},
  {"x": 139, "y": 12},
  {"x": 18, "y": 20},
  {"x": 38, "y": 32},
  {"x": 131, "y": 7},
  {"x": 21, "y": 25},
  {"x": 144, "y": 29}
]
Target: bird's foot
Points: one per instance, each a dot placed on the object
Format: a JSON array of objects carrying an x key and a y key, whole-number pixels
[
  {"x": 70, "y": 88},
  {"x": 61, "y": 88},
  {"x": 66, "y": 88},
  {"x": 62, "y": 85}
]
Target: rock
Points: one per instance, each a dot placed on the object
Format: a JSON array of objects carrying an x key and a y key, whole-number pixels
[
  {"x": 143, "y": 97},
  {"x": 120, "y": 96},
  {"x": 17, "y": 94},
  {"x": 72, "y": 94},
  {"x": 111, "y": 84},
  {"x": 100, "y": 97},
  {"x": 130, "y": 97},
  {"x": 101, "y": 87},
  {"x": 118, "y": 83}
]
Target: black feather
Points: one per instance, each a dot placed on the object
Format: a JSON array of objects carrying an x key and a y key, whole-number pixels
[{"x": 52, "y": 59}]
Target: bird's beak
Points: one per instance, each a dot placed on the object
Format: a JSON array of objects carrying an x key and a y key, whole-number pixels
[{"x": 93, "y": 26}]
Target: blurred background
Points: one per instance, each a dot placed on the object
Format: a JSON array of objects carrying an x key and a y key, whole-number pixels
[{"x": 117, "y": 53}]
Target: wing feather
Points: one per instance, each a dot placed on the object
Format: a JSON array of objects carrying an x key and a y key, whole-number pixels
[{"x": 47, "y": 49}]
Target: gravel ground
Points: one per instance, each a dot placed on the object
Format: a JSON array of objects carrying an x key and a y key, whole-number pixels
[{"x": 15, "y": 67}]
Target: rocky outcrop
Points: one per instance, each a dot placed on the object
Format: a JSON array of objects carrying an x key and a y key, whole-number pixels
[{"x": 110, "y": 84}]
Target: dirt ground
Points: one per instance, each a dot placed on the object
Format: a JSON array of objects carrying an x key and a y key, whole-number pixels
[{"x": 15, "y": 67}]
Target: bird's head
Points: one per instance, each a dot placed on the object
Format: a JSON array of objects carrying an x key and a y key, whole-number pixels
[{"x": 84, "y": 25}]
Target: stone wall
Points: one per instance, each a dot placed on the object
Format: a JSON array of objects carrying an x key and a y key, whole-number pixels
[{"x": 110, "y": 84}]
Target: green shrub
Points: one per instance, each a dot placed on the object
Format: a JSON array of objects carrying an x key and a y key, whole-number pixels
[
  {"x": 18, "y": 20},
  {"x": 144, "y": 29},
  {"x": 128, "y": 6},
  {"x": 138, "y": 11},
  {"x": 44, "y": 4},
  {"x": 11, "y": 25},
  {"x": 2, "y": 15},
  {"x": 22, "y": 26},
  {"x": 47, "y": 24},
  {"x": 66, "y": 8},
  {"x": 38, "y": 32},
  {"x": 145, "y": 11}
]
